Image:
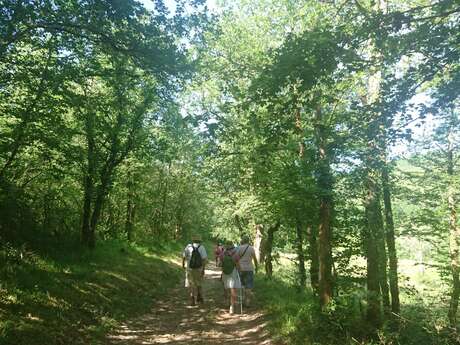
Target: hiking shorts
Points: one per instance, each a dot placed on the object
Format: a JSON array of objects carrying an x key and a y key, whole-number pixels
[
  {"x": 193, "y": 277},
  {"x": 247, "y": 279}
]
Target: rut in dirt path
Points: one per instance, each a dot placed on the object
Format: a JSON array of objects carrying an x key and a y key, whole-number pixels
[{"x": 173, "y": 321}]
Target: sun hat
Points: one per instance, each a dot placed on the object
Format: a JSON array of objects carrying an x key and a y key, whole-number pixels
[{"x": 196, "y": 237}]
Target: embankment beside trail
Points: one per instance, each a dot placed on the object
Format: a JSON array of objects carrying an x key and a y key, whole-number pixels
[{"x": 76, "y": 297}]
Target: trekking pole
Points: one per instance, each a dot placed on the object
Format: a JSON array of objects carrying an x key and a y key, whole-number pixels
[
  {"x": 242, "y": 298},
  {"x": 240, "y": 294}
]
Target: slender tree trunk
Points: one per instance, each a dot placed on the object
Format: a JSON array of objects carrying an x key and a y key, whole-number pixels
[
  {"x": 46, "y": 225},
  {"x": 130, "y": 209},
  {"x": 325, "y": 185},
  {"x": 374, "y": 309},
  {"x": 391, "y": 243},
  {"x": 300, "y": 255},
  {"x": 374, "y": 236},
  {"x": 313, "y": 254},
  {"x": 86, "y": 234},
  {"x": 164, "y": 198},
  {"x": 269, "y": 249},
  {"x": 374, "y": 239},
  {"x": 383, "y": 259},
  {"x": 454, "y": 229},
  {"x": 101, "y": 193},
  {"x": 258, "y": 243}
]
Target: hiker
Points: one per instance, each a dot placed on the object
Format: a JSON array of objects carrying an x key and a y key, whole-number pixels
[
  {"x": 218, "y": 252},
  {"x": 230, "y": 275},
  {"x": 248, "y": 264},
  {"x": 194, "y": 255}
]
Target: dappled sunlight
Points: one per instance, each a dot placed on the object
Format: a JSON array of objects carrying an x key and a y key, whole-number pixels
[
  {"x": 114, "y": 275},
  {"x": 85, "y": 301},
  {"x": 173, "y": 321}
]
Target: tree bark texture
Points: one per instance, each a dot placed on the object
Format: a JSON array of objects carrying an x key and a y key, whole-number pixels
[
  {"x": 300, "y": 255},
  {"x": 390, "y": 240},
  {"x": 312, "y": 232},
  {"x": 130, "y": 209},
  {"x": 259, "y": 243},
  {"x": 87, "y": 236},
  {"x": 454, "y": 229},
  {"x": 268, "y": 249},
  {"x": 325, "y": 185},
  {"x": 374, "y": 309}
]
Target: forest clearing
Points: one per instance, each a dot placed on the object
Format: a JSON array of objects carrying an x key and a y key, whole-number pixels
[{"x": 322, "y": 136}]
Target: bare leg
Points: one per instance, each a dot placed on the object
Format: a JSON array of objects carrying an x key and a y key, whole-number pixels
[
  {"x": 226, "y": 297},
  {"x": 233, "y": 300},
  {"x": 247, "y": 297},
  {"x": 192, "y": 295},
  {"x": 199, "y": 298}
]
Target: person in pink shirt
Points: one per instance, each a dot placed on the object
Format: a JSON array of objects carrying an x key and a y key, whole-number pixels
[{"x": 218, "y": 252}]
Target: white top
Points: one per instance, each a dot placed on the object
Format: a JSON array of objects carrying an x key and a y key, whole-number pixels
[
  {"x": 246, "y": 263},
  {"x": 187, "y": 253}
]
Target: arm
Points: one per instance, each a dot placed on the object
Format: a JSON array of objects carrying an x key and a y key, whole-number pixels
[
  {"x": 184, "y": 257},
  {"x": 204, "y": 259},
  {"x": 204, "y": 262},
  {"x": 236, "y": 257}
]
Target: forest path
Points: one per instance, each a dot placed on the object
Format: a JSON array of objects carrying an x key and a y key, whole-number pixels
[{"x": 173, "y": 321}]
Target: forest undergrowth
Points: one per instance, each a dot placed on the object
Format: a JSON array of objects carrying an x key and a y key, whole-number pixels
[
  {"x": 53, "y": 294},
  {"x": 296, "y": 318},
  {"x": 63, "y": 295}
]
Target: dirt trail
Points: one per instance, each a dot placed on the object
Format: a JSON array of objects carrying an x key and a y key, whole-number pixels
[{"x": 173, "y": 321}]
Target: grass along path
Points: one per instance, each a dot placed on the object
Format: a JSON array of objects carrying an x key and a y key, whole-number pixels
[
  {"x": 74, "y": 297},
  {"x": 172, "y": 321}
]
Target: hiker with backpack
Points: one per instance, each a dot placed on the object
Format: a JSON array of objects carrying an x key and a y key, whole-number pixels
[
  {"x": 230, "y": 275},
  {"x": 194, "y": 260},
  {"x": 248, "y": 264}
]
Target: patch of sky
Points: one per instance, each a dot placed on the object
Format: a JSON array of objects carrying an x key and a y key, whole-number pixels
[
  {"x": 419, "y": 127},
  {"x": 171, "y": 5}
]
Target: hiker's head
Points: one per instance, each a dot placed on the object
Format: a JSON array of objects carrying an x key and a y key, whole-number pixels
[
  {"x": 245, "y": 239},
  {"x": 196, "y": 238}
]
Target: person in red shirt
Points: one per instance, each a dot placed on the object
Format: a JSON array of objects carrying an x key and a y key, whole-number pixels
[{"x": 218, "y": 252}]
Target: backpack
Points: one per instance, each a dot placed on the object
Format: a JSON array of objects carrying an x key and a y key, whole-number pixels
[
  {"x": 195, "y": 260},
  {"x": 227, "y": 263}
]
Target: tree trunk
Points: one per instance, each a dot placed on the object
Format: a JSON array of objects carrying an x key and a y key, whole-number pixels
[
  {"x": 374, "y": 309},
  {"x": 390, "y": 239},
  {"x": 454, "y": 229},
  {"x": 86, "y": 234},
  {"x": 313, "y": 254},
  {"x": 382, "y": 258},
  {"x": 268, "y": 248},
  {"x": 258, "y": 243},
  {"x": 374, "y": 243},
  {"x": 130, "y": 209},
  {"x": 300, "y": 255},
  {"x": 325, "y": 186},
  {"x": 101, "y": 193},
  {"x": 164, "y": 199}
]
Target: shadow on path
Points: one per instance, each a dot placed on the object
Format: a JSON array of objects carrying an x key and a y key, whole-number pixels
[{"x": 173, "y": 321}]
